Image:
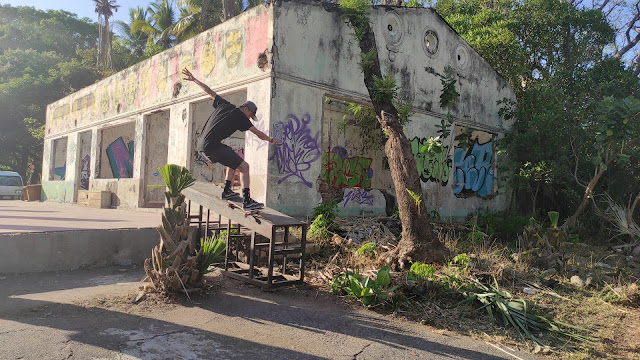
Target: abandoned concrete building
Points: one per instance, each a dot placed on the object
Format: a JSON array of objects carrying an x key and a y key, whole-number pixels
[{"x": 298, "y": 61}]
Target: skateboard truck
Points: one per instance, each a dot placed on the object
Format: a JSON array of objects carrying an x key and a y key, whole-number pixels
[{"x": 254, "y": 212}]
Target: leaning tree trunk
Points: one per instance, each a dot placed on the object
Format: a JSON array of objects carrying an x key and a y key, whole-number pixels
[{"x": 418, "y": 242}]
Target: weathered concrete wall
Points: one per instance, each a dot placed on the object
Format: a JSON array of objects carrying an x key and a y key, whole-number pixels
[
  {"x": 85, "y": 160},
  {"x": 118, "y": 149},
  {"x": 415, "y": 46},
  {"x": 288, "y": 57},
  {"x": 233, "y": 57},
  {"x": 69, "y": 250},
  {"x": 295, "y": 163},
  {"x": 59, "y": 159},
  {"x": 224, "y": 55},
  {"x": 157, "y": 150}
]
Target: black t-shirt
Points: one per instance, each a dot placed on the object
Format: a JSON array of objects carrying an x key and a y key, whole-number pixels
[
  {"x": 224, "y": 121},
  {"x": 34, "y": 177}
]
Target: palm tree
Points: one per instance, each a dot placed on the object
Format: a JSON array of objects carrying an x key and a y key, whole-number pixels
[
  {"x": 196, "y": 16},
  {"x": 136, "y": 41},
  {"x": 160, "y": 24},
  {"x": 105, "y": 9}
]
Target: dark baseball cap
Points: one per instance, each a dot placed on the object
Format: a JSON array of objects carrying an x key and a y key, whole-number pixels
[{"x": 252, "y": 107}]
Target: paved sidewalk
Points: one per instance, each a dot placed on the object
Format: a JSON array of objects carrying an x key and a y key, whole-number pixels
[
  {"x": 21, "y": 216},
  {"x": 87, "y": 314}
]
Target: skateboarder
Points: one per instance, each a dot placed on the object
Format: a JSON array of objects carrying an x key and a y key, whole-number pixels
[{"x": 224, "y": 121}]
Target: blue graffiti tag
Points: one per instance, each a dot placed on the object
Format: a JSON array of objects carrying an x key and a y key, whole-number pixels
[
  {"x": 297, "y": 148},
  {"x": 472, "y": 171},
  {"x": 359, "y": 196}
]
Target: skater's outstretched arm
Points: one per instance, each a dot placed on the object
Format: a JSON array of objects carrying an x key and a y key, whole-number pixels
[{"x": 189, "y": 77}]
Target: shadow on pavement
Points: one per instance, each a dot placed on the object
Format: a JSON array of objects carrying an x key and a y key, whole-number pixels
[{"x": 236, "y": 321}]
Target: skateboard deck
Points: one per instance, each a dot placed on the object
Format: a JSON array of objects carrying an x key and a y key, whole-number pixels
[{"x": 233, "y": 205}]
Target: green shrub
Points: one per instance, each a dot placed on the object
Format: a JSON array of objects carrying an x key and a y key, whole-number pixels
[
  {"x": 460, "y": 259},
  {"x": 329, "y": 209},
  {"x": 367, "y": 249},
  {"x": 503, "y": 225},
  {"x": 323, "y": 220},
  {"x": 421, "y": 273},
  {"x": 365, "y": 289}
]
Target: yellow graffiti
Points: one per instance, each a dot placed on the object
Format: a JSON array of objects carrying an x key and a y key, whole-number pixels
[
  {"x": 117, "y": 93},
  {"x": 60, "y": 112},
  {"x": 104, "y": 99},
  {"x": 84, "y": 103},
  {"x": 162, "y": 78},
  {"x": 233, "y": 48},
  {"x": 144, "y": 84},
  {"x": 131, "y": 88},
  {"x": 94, "y": 107},
  {"x": 186, "y": 61},
  {"x": 208, "y": 59}
]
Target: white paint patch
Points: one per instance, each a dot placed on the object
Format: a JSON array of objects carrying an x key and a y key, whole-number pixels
[{"x": 142, "y": 345}]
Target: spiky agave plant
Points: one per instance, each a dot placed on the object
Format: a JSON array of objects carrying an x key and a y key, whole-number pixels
[
  {"x": 213, "y": 249},
  {"x": 174, "y": 263}
]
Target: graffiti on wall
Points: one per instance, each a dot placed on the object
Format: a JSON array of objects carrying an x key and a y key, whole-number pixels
[
  {"x": 204, "y": 168},
  {"x": 431, "y": 167},
  {"x": 472, "y": 170},
  {"x": 359, "y": 196},
  {"x": 237, "y": 44},
  {"x": 59, "y": 172},
  {"x": 252, "y": 139},
  {"x": 84, "y": 172},
  {"x": 297, "y": 147},
  {"x": 340, "y": 170},
  {"x": 120, "y": 156}
]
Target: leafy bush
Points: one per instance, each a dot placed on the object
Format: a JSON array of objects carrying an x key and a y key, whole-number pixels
[
  {"x": 367, "y": 249},
  {"x": 460, "y": 259},
  {"x": 323, "y": 222},
  {"x": 319, "y": 228},
  {"x": 421, "y": 273},
  {"x": 365, "y": 289},
  {"x": 503, "y": 225}
]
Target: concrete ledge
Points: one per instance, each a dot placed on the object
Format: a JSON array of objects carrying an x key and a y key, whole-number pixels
[{"x": 70, "y": 250}]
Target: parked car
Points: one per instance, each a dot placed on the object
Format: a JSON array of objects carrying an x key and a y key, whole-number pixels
[{"x": 10, "y": 185}]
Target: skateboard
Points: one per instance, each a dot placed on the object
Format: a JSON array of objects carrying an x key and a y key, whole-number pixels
[{"x": 254, "y": 212}]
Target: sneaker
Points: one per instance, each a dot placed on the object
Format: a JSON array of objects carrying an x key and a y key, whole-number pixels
[
  {"x": 252, "y": 205},
  {"x": 229, "y": 194}
]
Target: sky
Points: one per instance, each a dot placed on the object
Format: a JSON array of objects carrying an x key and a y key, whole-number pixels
[{"x": 83, "y": 8}]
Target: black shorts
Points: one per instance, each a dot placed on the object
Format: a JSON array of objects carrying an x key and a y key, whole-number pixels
[{"x": 222, "y": 154}]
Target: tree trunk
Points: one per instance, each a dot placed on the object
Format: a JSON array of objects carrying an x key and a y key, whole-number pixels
[
  {"x": 588, "y": 192},
  {"x": 204, "y": 15},
  {"x": 418, "y": 242},
  {"x": 229, "y": 9}
]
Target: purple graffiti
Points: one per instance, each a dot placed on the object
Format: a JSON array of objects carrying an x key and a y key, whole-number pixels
[
  {"x": 84, "y": 172},
  {"x": 121, "y": 158},
  {"x": 359, "y": 196},
  {"x": 472, "y": 170},
  {"x": 297, "y": 148}
]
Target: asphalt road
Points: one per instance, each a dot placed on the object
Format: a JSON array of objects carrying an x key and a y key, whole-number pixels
[{"x": 87, "y": 314}]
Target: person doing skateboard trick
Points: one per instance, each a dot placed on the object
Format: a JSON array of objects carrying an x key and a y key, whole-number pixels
[{"x": 224, "y": 121}]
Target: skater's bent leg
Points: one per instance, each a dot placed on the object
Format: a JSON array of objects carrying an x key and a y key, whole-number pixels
[
  {"x": 244, "y": 177},
  {"x": 229, "y": 174}
]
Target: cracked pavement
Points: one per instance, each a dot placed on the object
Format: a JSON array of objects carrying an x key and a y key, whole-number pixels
[{"x": 86, "y": 314}]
